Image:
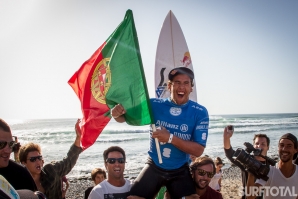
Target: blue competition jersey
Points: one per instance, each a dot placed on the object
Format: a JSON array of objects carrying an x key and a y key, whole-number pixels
[{"x": 188, "y": 122}]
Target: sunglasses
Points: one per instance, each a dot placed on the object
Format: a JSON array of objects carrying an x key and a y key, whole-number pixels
[
  {"x": 113, "y": 160},
  {"x": 4, "y": 143},
  {"x": 33, "y": 159},
  {"x": 202, "y": 172}
]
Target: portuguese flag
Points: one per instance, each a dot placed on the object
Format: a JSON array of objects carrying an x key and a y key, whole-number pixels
[{"x": 113, "y": 75}]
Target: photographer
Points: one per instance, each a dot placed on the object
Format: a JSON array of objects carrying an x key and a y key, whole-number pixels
[
  {"x": 283, "y": 177},
  {"x": 16, "y": 149},
  {"x": 260, "y": 141}
]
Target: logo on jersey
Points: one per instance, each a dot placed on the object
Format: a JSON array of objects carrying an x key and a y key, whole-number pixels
[
  {"x": 204, "y": 136},
  {"x": 166, "y": 152},
  {"x": 175, "y": 111},
  {"x": 184, "y": 128},
  {"x": 197, "y": 107}
]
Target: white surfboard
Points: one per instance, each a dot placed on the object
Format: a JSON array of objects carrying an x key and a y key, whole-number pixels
[{"x": 172, "y": 52}]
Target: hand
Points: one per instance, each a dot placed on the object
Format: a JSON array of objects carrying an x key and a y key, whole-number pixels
[
  {"x": 78, "y": 128},
  {"x": 162, "y": 135},
  {"x": 227, "y": 133},
  {"x": 79, "y": 133},
  {"x": 117, "y": 111}
]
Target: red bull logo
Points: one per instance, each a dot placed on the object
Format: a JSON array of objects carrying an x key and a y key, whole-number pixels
[{"x": 186, "y": 61}]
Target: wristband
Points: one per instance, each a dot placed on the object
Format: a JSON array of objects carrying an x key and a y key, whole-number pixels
[{"x": 170, "y": 140}]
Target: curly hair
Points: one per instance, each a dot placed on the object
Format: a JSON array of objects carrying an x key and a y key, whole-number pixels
[
  {"x": 27, "y": 148},
  {"x": 201, "y": 161}
]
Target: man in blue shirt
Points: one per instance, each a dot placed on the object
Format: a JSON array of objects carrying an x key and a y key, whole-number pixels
[{"x": 184, "y": 130}]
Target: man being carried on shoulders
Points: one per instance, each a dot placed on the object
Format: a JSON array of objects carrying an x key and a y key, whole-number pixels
[
  {"x": 282, "y": 178},
  {"x": 184, "y": 130}
]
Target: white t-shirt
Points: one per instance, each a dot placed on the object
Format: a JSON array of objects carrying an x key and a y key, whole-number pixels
[
  {"x": 214, "y": 181},
  {"x": 278, "y": 186},
  {"x": 105, "y": 190}
]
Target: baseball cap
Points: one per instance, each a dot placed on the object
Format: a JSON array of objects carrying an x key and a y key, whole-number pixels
[
  {"x": 181, "y": 70},
  {"x": 291, "y": 137}
]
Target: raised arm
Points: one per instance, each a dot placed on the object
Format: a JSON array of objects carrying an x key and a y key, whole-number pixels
[
  {"x": 227, "y": 137},
  {"x": 77, "y": 141},
  {"x": 63, "y": 167}
]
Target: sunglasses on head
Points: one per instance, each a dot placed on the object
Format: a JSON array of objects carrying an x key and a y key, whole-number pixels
[
  {"x": 113, "y": 160},
  {"x": 202, "y": 172},
  {"x": 4, "y": 143},
  {"x": 33, "y": 159}
]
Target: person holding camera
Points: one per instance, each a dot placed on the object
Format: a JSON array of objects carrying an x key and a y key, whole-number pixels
[
  {"x": 260, "y": 141},
  {"x": 282, "y": 178}
]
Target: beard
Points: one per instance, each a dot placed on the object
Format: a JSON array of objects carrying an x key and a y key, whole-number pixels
[
  {"x": 288, "y": 157},
  {"x": 199, "y": 185}
]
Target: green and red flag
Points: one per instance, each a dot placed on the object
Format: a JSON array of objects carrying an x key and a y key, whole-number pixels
[{"x": 113, "y": 75}]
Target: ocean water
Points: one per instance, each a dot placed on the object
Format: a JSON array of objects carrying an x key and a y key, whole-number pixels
[{"x": 56, "y": 136}]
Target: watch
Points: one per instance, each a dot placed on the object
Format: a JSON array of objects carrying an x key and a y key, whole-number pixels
[{"x": 170, "y": 140}]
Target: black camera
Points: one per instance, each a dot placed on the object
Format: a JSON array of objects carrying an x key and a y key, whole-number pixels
[
  {"x": 230, "y": 129},
  {"x": 252, "y": 165},
  {"x": 16, "y": 147}
]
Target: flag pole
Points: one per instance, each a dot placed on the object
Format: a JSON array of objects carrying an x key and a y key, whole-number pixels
[{"x": 157, "y": 145}]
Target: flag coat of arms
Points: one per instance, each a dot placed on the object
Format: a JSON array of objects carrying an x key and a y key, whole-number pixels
[{"x": 113, "y": 75}]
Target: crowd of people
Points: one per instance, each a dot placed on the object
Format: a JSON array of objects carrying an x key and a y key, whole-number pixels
[{"x": 180, "y": 143}]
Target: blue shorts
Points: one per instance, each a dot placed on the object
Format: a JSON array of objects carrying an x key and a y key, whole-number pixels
[{"x": 179, "y": 181}]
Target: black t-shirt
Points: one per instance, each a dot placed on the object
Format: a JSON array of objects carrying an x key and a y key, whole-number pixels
[
  {"x": 87, "y": 192},
  {"x": 18, "y": 176}
]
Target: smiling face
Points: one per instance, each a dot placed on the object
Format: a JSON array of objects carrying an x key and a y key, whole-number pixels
[
  {"x": 36, "y": 166},
  {"x": 6, "y": 151},
  {"x": 202, "y": 182},
  {"x": 180, "y": 88},
  {"x": 116, "y": 170},
  {"x": 286, "y": 150}
]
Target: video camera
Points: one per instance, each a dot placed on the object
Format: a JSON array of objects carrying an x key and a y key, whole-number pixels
[{"x": 252, "y": 165}]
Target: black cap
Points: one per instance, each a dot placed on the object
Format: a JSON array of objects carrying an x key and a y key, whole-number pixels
[
  {"x": 181, "y": 70},
  {"x": 291, "y": 137}
]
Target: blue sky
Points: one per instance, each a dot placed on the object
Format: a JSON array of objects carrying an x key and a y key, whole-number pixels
[{"x": 244, "y": 53}]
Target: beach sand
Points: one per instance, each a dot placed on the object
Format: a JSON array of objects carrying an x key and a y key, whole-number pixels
[{"x": 231, "y": 184}]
